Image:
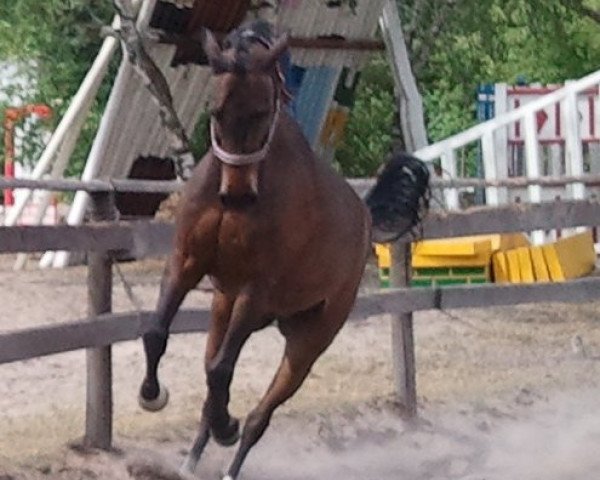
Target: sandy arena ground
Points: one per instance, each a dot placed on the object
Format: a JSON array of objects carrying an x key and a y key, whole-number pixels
[{"x": 502, "y": 395}]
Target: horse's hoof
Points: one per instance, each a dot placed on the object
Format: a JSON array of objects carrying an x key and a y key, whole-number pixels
[
  {"x": 232, "y": 434},
  {"x": 157, "y": 403},
  {"x": 228, "y": 477}
]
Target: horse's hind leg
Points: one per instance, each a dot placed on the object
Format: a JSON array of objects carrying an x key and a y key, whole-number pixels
[
  {"x": 181, "y": 275},
  {"x": 307, "y": 337}
]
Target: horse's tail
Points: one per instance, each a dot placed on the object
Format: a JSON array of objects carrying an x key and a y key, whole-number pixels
[{"x": 400, "y": 198}]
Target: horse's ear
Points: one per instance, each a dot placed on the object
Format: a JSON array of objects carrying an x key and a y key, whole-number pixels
[
  {"x": 213, "y": 51},
  {"x": 280, "y": 46},
  {"x": 272, "y": 55}
]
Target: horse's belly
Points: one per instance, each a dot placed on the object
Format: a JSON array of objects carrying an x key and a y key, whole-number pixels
[{"x": 307, "y": 281}]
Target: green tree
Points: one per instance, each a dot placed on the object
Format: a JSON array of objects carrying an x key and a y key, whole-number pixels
[
  {"x": 368, "y": 138},
  {"x": 455, "y": 45},
  {"x": 54, "y": 43}
]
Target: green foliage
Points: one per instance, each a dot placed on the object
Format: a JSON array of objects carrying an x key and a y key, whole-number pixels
[
  {"x": 200, "y": 137},
  {"x": 368, "y": 138},
  {"x": 493, "y": 41},
  {"x": 54, "y": 43},
  {"x": 456, "y": 45}
]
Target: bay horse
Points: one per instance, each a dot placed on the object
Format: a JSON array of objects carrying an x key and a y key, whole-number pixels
[{"x": 282, "y": 236}]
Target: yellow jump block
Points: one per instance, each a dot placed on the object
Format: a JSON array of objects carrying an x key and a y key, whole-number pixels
[
  {"x": 525, "y": 265},
  {"x": 508, "y": 241},
  {"x": 430, "y": 261},
  {"x": 540, "y": 268},
  {"x": 452, "y": 252},
  {"x": 514, "y": 269},
  {"x": 450, "y": 247},
  {"x": 570, "y": 257},
  {"x": 384, "y": 255},
  {"x": 500, "y": 266},
  {"x": 471, "y": 245}
]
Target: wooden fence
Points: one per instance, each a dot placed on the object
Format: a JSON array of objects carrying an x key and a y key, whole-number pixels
[
  {"x": 493, "y": 138},
  {"x": 105, "y": 236}
]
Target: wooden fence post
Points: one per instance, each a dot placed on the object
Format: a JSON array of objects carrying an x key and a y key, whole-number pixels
[
  {"x": 99, "y": 404},
  {"x": 403, "y": 348}
]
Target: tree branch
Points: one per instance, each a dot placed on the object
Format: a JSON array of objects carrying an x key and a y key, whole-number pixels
[{"x": 154, "y": 80}]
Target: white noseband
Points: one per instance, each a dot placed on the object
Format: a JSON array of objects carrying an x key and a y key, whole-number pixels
[{"x": 240, "y": 159}]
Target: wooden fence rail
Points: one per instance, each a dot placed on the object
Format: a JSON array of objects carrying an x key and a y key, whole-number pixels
[
  {"x": 142, "y": 239},
  {"x": 361, "y": 185},
  {"x": 108, "y": 329}
]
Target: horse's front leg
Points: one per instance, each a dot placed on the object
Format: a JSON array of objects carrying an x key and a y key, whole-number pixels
[
  {"x": 183, "y": 272},
  {"x": 220, "y": 314},
  {"x": 233, "y": 320},
  {"x": 219, "y": 369}
]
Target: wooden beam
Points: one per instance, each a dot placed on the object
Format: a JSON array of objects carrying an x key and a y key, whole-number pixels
[
  {"x": 410, "y": 101},
  {"x": 140, "y": 239},
  {"x": 109, "y": 329},
  {"x": 481, "y": 296},
  {"x": 144, "y": 239},
  {"x": 512, "y": 218},
  {"x": 99, "y": 401},
  {"x": 151, "y": 239},
  {"x": 98, "y": 332},
  {"x": 403, "y": 343},
  {"x": 361, "y": 185},
  {"x": 309, "y": 43},
  {"x": 336, "y": 43},
  {"x": 91, "y": 186},
  {"x": 108, "y": 236}
]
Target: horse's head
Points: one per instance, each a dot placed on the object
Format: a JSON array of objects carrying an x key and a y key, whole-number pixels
[{"x": 245, "y": 106}]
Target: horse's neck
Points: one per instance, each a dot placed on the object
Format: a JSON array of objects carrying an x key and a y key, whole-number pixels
[
  {"x": 292, "y": 166},
  {"x": 293, "y": 149}
]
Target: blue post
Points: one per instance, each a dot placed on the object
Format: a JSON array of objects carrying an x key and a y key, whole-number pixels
[{"x": 485, "y": 111}]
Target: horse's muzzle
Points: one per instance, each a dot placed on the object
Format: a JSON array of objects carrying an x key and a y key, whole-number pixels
[
  {"x": 238, "y": 201},
  {"x": 239, "y": 186}
]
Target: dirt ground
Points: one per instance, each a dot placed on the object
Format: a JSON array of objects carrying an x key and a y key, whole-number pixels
[{"x": 503, "y": 393}]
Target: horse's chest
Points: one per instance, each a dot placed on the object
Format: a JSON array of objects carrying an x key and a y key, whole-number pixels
[{"x": 238, "y": 250}]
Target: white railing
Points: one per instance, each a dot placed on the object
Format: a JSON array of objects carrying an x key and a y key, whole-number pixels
[{"x": 493, "y": 137}]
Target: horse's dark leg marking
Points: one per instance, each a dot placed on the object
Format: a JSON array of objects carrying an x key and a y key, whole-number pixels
[
  {"x": 180, "y": 276},
  {"x": 307, "y": 337},
  {"x": 220, "y": 314},
  {"x": 219, "y": 370}
]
